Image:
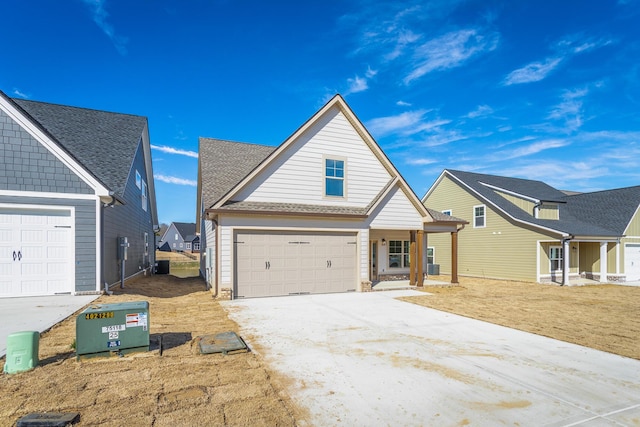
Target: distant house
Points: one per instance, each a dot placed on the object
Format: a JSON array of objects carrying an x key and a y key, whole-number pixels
[
  {"x": 73, "y": 182},
  {"x": 180, "y": 237},
  {"x": 325, "y": 211},
  {"x": 527, "y": 230}
]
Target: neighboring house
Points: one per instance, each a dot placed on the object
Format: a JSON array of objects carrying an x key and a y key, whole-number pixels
[
  {"x": 181, "y": 237},
  {"x": 527, "y": 230},
  {"x": 72, "y": 182},
  {"x": 325, "y": 211}
]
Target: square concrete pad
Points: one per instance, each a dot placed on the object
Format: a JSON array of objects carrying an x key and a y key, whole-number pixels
[{"x": 367, "y": 359}]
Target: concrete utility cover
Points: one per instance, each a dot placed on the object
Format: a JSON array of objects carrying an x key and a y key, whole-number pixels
[
  {"x": 367, "y": 359},
  {"x": 225, "y": 342}
]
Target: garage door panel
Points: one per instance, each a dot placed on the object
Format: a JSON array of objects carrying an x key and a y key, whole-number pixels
[
  {"x": 296, "y": 263},
  {"x": 41, "y": 240}
]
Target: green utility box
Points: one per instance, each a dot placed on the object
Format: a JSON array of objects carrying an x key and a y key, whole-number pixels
[
  {"x": 22, "y": 352},
  {"x": 107, "y": 329}
]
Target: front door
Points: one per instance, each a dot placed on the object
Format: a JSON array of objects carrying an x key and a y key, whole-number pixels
[{"x": 373, "y": 261}]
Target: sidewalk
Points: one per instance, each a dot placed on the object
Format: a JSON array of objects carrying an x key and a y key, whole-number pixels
[{"x": 36, "y": 313}]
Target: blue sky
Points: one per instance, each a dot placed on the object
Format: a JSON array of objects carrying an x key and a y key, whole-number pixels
[{"x": 546, "y": 90}]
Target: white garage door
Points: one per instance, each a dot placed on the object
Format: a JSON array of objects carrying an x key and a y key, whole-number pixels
[
  {"x": 36, "y": 256},
  {"x": 632, "y": 261},
  {"x": 274, "y": 264}
]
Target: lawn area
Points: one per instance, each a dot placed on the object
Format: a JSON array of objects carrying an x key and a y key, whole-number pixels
[
  {"x": 178, "y": 388},
  {"x": 603, "y": 317}
]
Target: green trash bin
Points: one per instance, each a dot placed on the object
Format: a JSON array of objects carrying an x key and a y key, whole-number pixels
[{"x": 22, "y": 352}]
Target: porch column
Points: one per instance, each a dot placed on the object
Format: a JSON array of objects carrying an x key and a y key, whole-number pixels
[
  {"x": 454, "y": 257},
  {"x": 566, "y": 254},
  {"x": 603, "y": 262},
  {"x": 420, "y": 257},
  {"x": 412, "y": 258}
]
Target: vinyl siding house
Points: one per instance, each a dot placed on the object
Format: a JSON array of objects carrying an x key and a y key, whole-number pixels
[
  {"x": 181, "y": 237},
  {"x": 73, "y": 182},
  {"x": 325, "y": 211},
  {"x": 527, "y": 230}
]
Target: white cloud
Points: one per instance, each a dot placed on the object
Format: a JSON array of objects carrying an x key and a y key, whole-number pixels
[
  {"x": 385, "y": 125},
  {"x": 357, "y": 84},
  {"x": 481, "y": 111},
  {"x": 17, "y": 92},
  {"x": 420, "y": 161},
  {"x": 370, "y": 73},
  {"x": 175, "y": 180},
  {"x": 570, "y": 109},
  {"x": 403, "y": 104},
  {"x": 100, "y": 15},
  {"x": 533, "y": 72},
  {"x": 172, "y": 150},
  {"x": 528, "y": 150},
  {"x": 449, "y": 51}
]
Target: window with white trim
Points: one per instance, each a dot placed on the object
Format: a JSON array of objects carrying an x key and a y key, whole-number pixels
[
  {"x": 479, "y": 216},
  {"x": 398, "y": 253},
  {"x": 431, "y": 255},
  {"x": 176, "y": 238},
  {"x": 334, "y": 178},
  {"x": 447, "y": 212},
  {"x": 555, "y": 258},
  {"x": 188, "y": 245},
  {"x": 144, "y": 195},
  {"x": 196, "y": 246},
  {"x": 146, "y": 244},
  {"x": 138, "y": 180}
]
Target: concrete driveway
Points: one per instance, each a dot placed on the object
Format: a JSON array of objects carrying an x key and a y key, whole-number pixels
[
  {"x": 367, "y": 359},
  {"x": 36, "y": 313}
]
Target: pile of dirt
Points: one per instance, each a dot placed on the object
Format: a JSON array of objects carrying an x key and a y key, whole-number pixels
[
  {"x": 603, "y": 317},
  {"x": 178, "y": 388}
]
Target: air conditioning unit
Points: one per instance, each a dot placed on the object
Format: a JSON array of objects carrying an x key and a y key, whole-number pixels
[{"x": 108, "y": 329}]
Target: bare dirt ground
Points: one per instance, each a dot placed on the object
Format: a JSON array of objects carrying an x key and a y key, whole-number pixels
[
  {"x": 603, "y": 317},
  {"x": 178, "y": 388},
  {"x": 184, "y": 388}
]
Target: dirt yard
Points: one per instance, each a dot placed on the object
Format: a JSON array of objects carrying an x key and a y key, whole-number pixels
[
  {"x": 179, "y": 388},
  {"x": 183, "y": 388},
  {"x": 604, "y": 317}
]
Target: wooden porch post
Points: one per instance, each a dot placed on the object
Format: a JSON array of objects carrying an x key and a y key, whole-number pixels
[
  {"x": 412, "y": 258},
  {"x": 454, "y": 257},
  {"x": 420, "y": 265}
]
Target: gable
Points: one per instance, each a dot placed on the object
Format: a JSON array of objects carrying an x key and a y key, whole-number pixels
[
  {"x": 297, "y": 175},
  {"x": 395, "y": 212},
  {"x": 29, "y": 166}
]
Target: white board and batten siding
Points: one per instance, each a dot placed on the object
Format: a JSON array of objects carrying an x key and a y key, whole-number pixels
[
  {"x": 298, "y": 176},
  {"x": 396, "y": 212}
]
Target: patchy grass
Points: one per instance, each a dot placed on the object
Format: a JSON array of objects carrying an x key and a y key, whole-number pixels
[{"x": 603, "y": 317}]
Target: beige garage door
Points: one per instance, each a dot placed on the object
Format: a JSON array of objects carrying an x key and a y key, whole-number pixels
[
  {"x": 276, "y": 264},
  {"x": 36, "y": 255}
]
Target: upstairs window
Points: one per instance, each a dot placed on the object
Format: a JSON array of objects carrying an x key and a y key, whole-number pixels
[
  {"x": 447, "y": 212},
  {"x": 138, "y": 180},
  {"x": 479, "y": 216},
  {"x": 143, "y": 191},
  {"x": 334, "y": 178}
]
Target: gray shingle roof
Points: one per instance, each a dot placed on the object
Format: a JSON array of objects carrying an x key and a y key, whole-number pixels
[
  {"x": 225, "y": 163},
  {"x": 185, "y": 228},
  {"x": 104, "y": 143},
  {"x": 604, "y": 213},
  {"x": 293, "y": 208}
]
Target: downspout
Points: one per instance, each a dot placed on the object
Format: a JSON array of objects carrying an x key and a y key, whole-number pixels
[
  {"x": 110, "y": 204},
  {"x": 536, "y": 209},
  {"x": 215, "y": 268},
  {"x": 566, "y": 254}
]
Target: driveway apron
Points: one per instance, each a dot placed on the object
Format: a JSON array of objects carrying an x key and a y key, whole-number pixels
[{"x": 365, "y": 359}]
